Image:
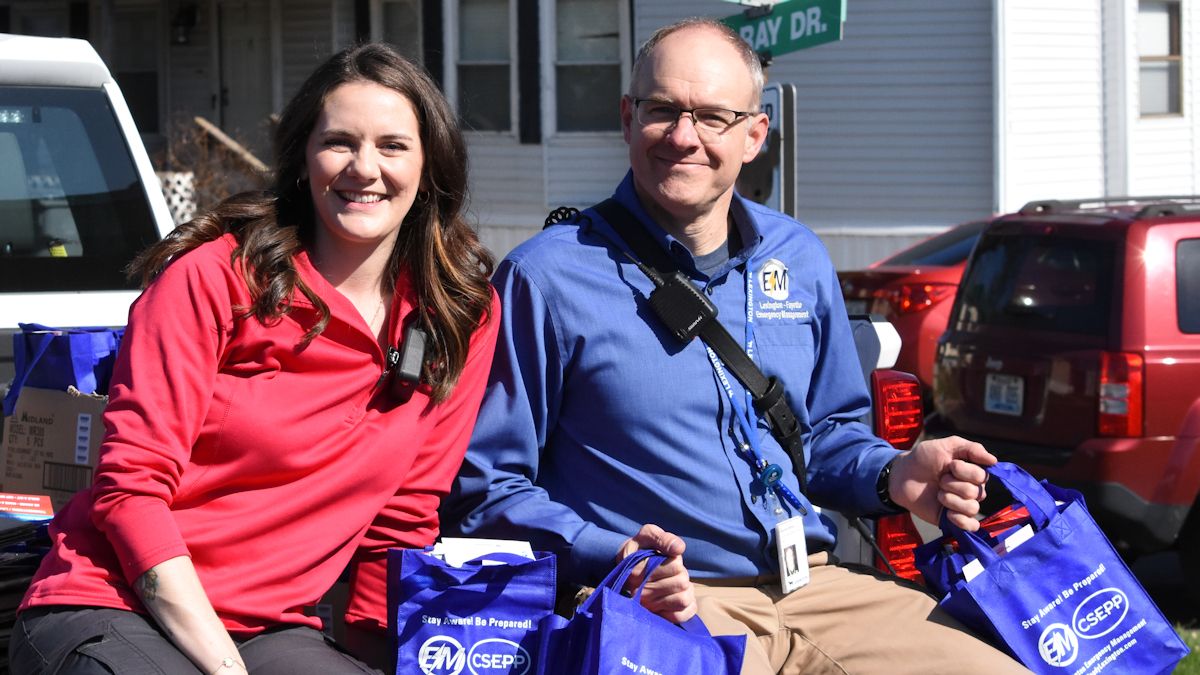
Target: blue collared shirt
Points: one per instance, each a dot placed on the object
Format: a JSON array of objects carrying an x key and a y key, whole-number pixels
[{"x": 596, "y": 420}]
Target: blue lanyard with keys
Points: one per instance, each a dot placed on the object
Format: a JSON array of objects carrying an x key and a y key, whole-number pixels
[{"x": 770, "y": 476}]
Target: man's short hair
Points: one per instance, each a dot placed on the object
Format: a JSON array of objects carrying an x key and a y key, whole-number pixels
[{"x": 749, "y": 58}]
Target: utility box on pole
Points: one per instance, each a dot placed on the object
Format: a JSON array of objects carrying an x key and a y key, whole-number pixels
[{"x": 770, "y": 179}]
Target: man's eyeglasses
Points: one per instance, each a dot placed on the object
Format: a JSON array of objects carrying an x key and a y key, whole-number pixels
[{"x": 652, "y": 113}]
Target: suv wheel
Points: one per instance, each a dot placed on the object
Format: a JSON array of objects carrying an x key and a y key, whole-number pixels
[{"x": 1189, "y": 553}]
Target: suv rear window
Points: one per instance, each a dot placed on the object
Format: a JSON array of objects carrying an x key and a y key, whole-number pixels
[
  {"x": 72, "y": 210},
  {"x": 1059, "y": 283},
  {"x": 1187, "y": 284},
  {"x": 948, "y": 248}
]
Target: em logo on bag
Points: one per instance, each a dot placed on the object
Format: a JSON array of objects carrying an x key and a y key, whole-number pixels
[
  {"x": 1058, "y": 645},
  {"x": 441, "y": 655}
]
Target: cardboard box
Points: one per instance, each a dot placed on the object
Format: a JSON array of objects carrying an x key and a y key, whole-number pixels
[{"x": 51, "y": 442}]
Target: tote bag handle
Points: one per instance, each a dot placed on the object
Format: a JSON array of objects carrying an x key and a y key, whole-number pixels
[
  {"x": 616, "y": 579},
  {"x": 1025, "y": 489},
  {"x": 24, "y": 367}
]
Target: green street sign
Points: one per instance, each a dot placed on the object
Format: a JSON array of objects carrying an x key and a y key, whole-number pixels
[{"x": 791, "y": 26}]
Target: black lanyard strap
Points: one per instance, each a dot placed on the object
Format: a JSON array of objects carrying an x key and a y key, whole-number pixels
[{"x": 768, "y": 393}]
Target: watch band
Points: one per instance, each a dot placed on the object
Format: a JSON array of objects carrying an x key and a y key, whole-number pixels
[{"x": 882, "y": 485}]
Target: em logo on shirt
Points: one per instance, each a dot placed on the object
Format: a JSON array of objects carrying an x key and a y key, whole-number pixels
[{"x": 773, "y": 279}]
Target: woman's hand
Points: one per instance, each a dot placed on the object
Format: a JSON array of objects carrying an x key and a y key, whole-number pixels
[
  {"x": 172, "y": 593},
  {"x": 669, "y": 592}
]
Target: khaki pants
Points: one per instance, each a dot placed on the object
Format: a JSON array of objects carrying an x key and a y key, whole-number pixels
[{"x": 848, "y": 619}]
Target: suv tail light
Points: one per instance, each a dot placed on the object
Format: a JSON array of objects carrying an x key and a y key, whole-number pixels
[
  {"x": 913, "y": 298},
  {"x": 899, "y": 416},
  {"x": 898, "y": 539},
  {"x": 1120, "y": 405}
]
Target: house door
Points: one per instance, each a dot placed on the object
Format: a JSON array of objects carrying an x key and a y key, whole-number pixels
[{"x": 243, "y": 28}]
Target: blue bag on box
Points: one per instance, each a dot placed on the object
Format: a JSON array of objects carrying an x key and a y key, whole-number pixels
[
  {"x": 611, "y": 633},
  {"x": 54, "y": 358},
  {"x": 481, "y": 617},
  {"x": 1062, "y": 602}
]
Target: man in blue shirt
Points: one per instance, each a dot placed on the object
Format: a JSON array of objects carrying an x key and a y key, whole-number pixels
[{"x": 597, "y": 420}]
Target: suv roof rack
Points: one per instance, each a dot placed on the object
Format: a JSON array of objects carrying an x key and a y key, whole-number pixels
[{"x": 1160, "y": 205}]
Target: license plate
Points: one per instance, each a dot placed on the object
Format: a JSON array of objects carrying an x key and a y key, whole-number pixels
[
  {"x": 856, "y": 306},
  {"x": 1005, "y": 394}
]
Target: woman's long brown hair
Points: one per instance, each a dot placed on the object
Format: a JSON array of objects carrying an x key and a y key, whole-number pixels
[{"x": 448, "y": 266}]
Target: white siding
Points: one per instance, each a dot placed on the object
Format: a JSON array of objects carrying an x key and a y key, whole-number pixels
[
  {"x": 582, "y": 170},
  {"x": 508, "y": 196},
  {"x": 1053, "y": 131},
  {"x": 1165, "y": 151},
  {"x": 896, "y": 119}
]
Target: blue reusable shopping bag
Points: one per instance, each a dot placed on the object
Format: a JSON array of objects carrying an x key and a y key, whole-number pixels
[
  {"x": 1062, "y": 602},
  {"x": 611, "y": 633},
  {"x": 57, "y": 358},
  {"x": 478, "y": 618}
]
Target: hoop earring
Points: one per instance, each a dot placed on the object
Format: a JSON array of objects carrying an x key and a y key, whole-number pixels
[
  {"x": 299, "y": 180},
  {"x": 423, "y": 197}
]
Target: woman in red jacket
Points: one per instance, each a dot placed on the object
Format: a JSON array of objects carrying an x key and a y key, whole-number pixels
[{"x": 263, "y": 431}]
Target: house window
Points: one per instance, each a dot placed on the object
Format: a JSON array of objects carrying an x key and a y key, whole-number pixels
[
  {"x": 1160, "y": 61},
  {"x": 587, "y": 65},
  {"x": 485, "y": 65},
  {"x": 400, "y": 25}
]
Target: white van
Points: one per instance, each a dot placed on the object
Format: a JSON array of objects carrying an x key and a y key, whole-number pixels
[{"x": 78, "y": 196}]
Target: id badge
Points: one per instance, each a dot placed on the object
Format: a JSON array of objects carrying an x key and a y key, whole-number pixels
[{"x": 793, "y": 554}]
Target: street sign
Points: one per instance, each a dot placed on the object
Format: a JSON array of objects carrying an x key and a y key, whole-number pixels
[{"x": 790, "y": 26}]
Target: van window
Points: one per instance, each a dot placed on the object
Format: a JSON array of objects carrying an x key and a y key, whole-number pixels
[
  {"x": 1062, "y": 284},
  {"x": 1187, "y": 285},
  {"x": 72, "y": 209}
]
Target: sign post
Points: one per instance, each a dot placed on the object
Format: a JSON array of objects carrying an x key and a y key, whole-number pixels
[{"x": 790, "y": 26}]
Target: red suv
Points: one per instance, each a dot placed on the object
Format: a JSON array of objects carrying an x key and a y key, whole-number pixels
[{"x": 1073, "y": 349}]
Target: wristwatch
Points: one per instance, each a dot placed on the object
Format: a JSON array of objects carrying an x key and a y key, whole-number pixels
[{"x": 882, "y": 485}]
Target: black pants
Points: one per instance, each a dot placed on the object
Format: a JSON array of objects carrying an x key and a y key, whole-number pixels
[{"x": 97, "y": 641}]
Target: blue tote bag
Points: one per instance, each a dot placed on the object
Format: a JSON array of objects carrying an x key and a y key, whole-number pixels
[
  {"x": 55, "y": 358},
  {"x": 481, "y": 617},
  {"x": 1062, "y": 602},
  {"x": 611, "y": 633}
]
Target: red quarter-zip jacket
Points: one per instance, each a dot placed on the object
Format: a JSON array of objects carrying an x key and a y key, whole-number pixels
[{"x": 269, "y": 462}]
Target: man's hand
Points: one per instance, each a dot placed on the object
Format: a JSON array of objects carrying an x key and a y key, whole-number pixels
[
  {"x": 944, "y": 472},
  {"x": 669, "y": 592}
]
